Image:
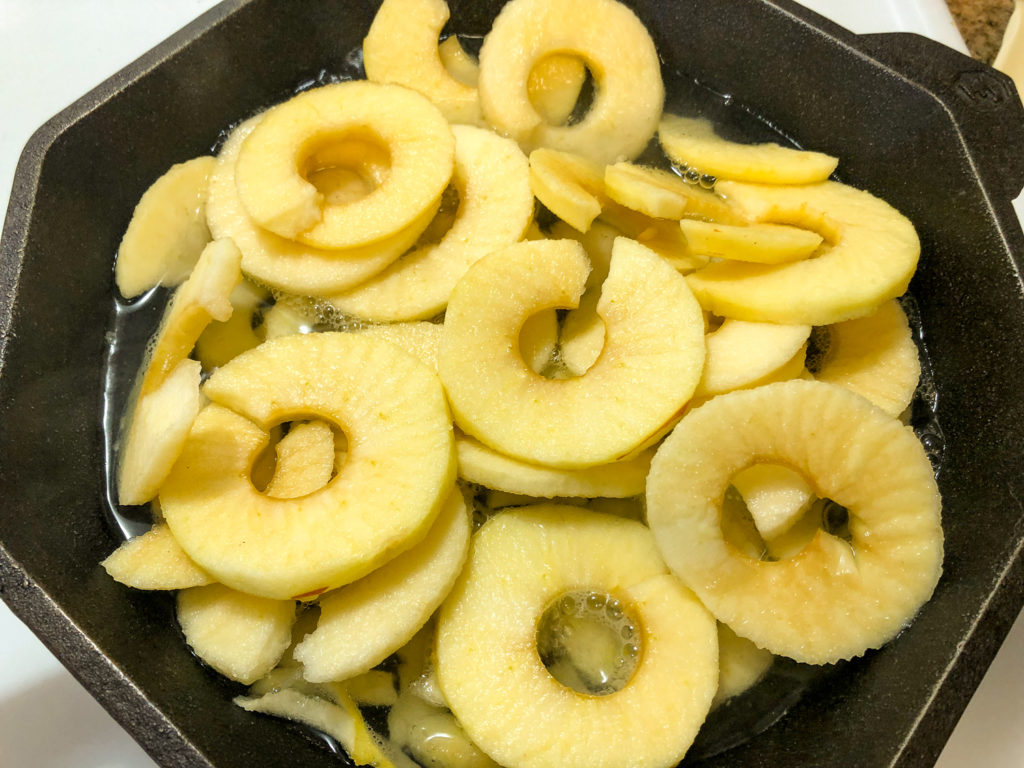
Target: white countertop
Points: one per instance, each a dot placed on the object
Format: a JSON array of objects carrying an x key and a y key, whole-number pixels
[{"x": 54, "y": 51}]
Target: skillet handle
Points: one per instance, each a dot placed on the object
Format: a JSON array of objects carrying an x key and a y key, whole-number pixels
[{"x": 984, "y": 103}]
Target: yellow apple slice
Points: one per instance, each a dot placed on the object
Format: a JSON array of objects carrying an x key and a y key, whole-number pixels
[
  {"x": 305, "y": 460},
  {"x": 285, "y": 264},
  {"x": 487, "y": 467},
  {"x": 759, "y": 243},
  {"x": 569, "y": 185},
  {"x": 365, "y": 622},
  {"x": 167, "y": 231},
  {"x": 627, "y": 74},
  {"x": 431, "y": 734},
  {"x": 157, "y": 432},
  {"x": 538, "y": 341},
  {"x": 874, "y": 356},
  {"x": 524, "y": 562},
  {"x": 398, "y": 470},
  {"x": 693, "y": 142},
  {"x": 239, "y": 635},
  {"x": 221, "y": 341},
  {"x": 871, "y": 253},
  {"x": 495, "y": 208},
  {"x": 154, "y": 560},
  {"x": 460, "y": 64},
  {"x": 203, "y": 298},
  {"x": 836, "y": 597},
  {"x": 403, "y": 124},
  {"x": 554, "y": 86},
  {"x": 742, "y": 354},
  {"x": 401, "y": 47},
  {"x": 663, "y": 236},
  {"x": 661, "y": 194},
  {"x": 647, "y": 370},
  {"x": 289, "y": 315}
]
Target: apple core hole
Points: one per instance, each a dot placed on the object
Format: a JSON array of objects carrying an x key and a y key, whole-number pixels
[
  {"x": 819, "y": 347},
  {"x": 347, "y": 167},
  {"x": 444, "y": 219},
  {"x": 590, "y": 641}
]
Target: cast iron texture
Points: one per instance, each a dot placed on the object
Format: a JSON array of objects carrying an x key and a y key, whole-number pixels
[{"x": 936, "y": 134}]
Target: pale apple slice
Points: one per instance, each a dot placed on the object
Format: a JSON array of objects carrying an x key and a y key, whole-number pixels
[
  {"x": 568, "y": 184},
  {"x": 693, "y": 142},
  {"x": 399, "y": 468},
  {"x": 411, "y": 131},
  {"x": 305, "y": 460},
  {"x": 489, "y": 632},
  {"x": 289, "y": 315},
  {"x": 158, "y": 427},
  {"x": 167, "y": 231},
  {"x": 365, "y": 622},
  {"x": 647, "y": 371},
  {"x": 459, "y": 63},
  {"x": 663, "y": 236},
  {"x": 285, "y": 264},
  {"x": 874, "y": 356},
  {"x": 401, "y": 47},
  {"x": 538, "y": 341},
  {"x": 759, "y": 243},
  {"x": 554, "y": 86},
  {"x": 154, "y": 560},
  {"x": 835, "y": 598},
  {"x": 871, "y": 253},
  {"x": 742, "y": 355},
  {"x": 203, "y": 298},
  {"x": 239, "y": 635},
  {"x": 495, "y": 207},
  {"x": 661, "y": 194},
  {"x": 430, "y": 733},
  {"x": 627, "y": 74},
  {"x": 222, "y": 340},
  {"x": 375, "y": 688}
]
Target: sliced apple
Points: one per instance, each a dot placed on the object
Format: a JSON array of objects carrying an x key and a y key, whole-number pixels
[
  {"x": 649, "y": 367},
  {"x": 167, "y": 231},
  {"x": 405, "y": 125},
  {"x": 285, "y": 264},
  {"x": 154, "y": 560},
  {"x": 625, "y": 67},
  {"x": 158, "y": 427},
  {"x": 759, "y": 243},
  {"x": 663, "y": 236},
  {"x": 495, "y": 208},
  {"x": 776, "y": 497},
  {"x": 399, "y": 467},
  {"x": 874, "y": 356},
  {"x": 742, "y": 354},
  {"x": 568, "y": 184},
  {"x": 460, "y": 64},
  {"x": 554, "y": 86},
  {"x": 365, "y": 622},
  {"x": 870, "y": 256},
  {"x": 401, "y": 47},
  {"x": 305, "y": 460},
  {"x": 239, "y": 635},
  {"x": 420, "y": 339},
  {"x": 223, "y": 340},
  {"x": 740, "y": 664},
  {"x": 487, "y": 467},
  {"x": 490, "y": 628},
  {"x": 661, "y": 194},
  {"x": 693, "y": 142}
]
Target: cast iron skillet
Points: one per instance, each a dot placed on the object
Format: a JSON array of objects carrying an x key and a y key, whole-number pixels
[{"x": 936, "y": 134}]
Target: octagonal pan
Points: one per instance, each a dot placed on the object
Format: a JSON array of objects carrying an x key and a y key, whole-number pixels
[{"x": 936, "y": 134}]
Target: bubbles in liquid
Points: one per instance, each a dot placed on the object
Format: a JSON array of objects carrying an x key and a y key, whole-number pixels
[{"x": 589, "y": 642}]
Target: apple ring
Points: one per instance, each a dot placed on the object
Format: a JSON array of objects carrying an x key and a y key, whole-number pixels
[
  {"x": 286, "y": 264},
  {"x": 283, "y": 149},
  {"x": 629, "y": 92},
  {"x": 646, "y": 372},
  {"x": 491, "y": 672},
  {"x": 836, "y": 598},
  {"x": 399, "y": 468}
]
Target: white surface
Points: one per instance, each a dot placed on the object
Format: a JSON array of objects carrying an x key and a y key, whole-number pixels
[{"x": 53, "y": 51}]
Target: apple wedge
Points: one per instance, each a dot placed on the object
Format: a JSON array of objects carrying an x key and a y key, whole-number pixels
[
  {"x": 647, "y": 371},
  {"x": 399, "y": 468},
  {"x": 154, "y": 560},
  {"x": 759, "y": 243},
  {"x": 569, "y": 185},
  {"x": 742, "y": 354}
]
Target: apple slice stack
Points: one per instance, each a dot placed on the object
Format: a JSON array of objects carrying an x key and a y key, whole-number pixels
[{"x": 447, "y": 297}]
